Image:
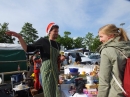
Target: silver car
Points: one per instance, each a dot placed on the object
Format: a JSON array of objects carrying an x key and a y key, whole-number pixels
[
  {"x": 94, "y": 58},
  {"x": 91, "y": 59}
]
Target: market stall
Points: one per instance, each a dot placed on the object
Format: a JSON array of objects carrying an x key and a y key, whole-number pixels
[
  {"x": 79, "y": 81},
  {"x": 12, "y": 59}
]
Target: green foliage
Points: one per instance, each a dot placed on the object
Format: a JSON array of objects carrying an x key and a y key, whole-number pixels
[
  {"x": 66, "y": 34},
  {"x": 28, "y": 33},
  {"x": 78, "y": 42},
  {"x": 3, "y": 37},
  {"x": 66, "y": 41},
  {"x": 92, "y": 42},
  {"x": 96, "y": 43},
  {"x": 88, "y": 40}
]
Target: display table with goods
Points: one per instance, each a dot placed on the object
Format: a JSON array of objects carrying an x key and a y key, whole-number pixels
[
  {"x": 79, "y": 84},
  {"x": 81, "y": 68}
]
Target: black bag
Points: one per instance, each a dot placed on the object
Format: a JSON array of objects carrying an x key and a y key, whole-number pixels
[
  {"x": 23, "y": 93},
  {"x": 80, "y": 86}
]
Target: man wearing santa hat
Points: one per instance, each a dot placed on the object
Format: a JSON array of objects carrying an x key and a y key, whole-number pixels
[{"x": 49, "y": 50}]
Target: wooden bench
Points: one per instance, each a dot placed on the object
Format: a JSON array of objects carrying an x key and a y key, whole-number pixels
[{"x": 12, "y": 72}]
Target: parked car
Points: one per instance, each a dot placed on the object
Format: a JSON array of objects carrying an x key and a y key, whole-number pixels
[
  {"x": 94, "y": 58},
  {"x": 87, "y": 54},
  {"x": 91, "y": 59}
]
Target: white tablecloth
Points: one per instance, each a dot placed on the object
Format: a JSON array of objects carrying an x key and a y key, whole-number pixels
[
  {"x": 17, "y": 89},
  {"x": 65, "y": 93},
  {"x": 81, "y": 68}
]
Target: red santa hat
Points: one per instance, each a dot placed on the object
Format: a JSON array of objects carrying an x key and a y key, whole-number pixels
[{"x": 49, "y": 27}]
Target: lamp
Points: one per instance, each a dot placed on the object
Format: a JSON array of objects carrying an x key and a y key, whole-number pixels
[{"x": 122, "y": 24}]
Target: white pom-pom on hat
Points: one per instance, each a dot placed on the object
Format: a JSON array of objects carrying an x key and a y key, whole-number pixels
[{"x": 49, "y": 27}]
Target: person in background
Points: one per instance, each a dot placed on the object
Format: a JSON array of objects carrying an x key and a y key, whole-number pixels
[
  {"x": 37, "y": 64},
  {"x": 112, "y": 61},
  {"x": 49, "y": 50},
  {"x": 61, "y": 58},
  {"x": 69, "y": 59},
  {"x": 31, "y": 67},
  {"x": 96, "y": 63},
  {"x": 78, "y": 58}
]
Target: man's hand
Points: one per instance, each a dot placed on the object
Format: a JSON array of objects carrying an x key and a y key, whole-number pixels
[
  {"x": 62, "y": 58},
  {"x": 12, "y": 33},
  {"x": 21, "y": 40}
]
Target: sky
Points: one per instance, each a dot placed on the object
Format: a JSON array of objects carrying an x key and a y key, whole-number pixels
[{"x": 76, "y": 16}]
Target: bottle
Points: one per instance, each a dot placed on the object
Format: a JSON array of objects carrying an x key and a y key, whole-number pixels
[
  {"x": 0, "y": 80},
  {"x": 18, "y": 67},
  {"x": 24, "y": 77}
]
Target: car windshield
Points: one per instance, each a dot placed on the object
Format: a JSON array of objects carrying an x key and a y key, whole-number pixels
[
  {"x": 94, "y": 56},
  {"x": 73, "y": 54}
]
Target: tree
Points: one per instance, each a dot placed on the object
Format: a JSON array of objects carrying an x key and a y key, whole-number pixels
[
  {"x": 96, "y": 43},
  {"x": 66, "y": 34},
  {"x": 88, "y": 40},
  {"x": 78, "y": 43},
  {"x": 3, "y": 37},
  {"x": 70, "y": 43},
  {"x": 66, "y": 41},
  {"x": 28, "y": 33}
]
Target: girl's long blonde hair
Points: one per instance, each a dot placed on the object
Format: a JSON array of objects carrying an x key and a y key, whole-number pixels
[{"x": 112, "y": 29}]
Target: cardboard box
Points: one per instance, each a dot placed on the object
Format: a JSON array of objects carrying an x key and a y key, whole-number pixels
[{"x": 91, "y": 86}]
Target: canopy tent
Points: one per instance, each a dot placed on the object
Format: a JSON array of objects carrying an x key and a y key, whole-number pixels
[{"x": 12, "y": 55}]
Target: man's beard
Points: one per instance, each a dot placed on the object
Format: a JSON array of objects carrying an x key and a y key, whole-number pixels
[{"x": 55, "y": 36}]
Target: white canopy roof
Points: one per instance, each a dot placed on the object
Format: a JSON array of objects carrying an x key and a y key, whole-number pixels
[{"x": 7, "y": 46}]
